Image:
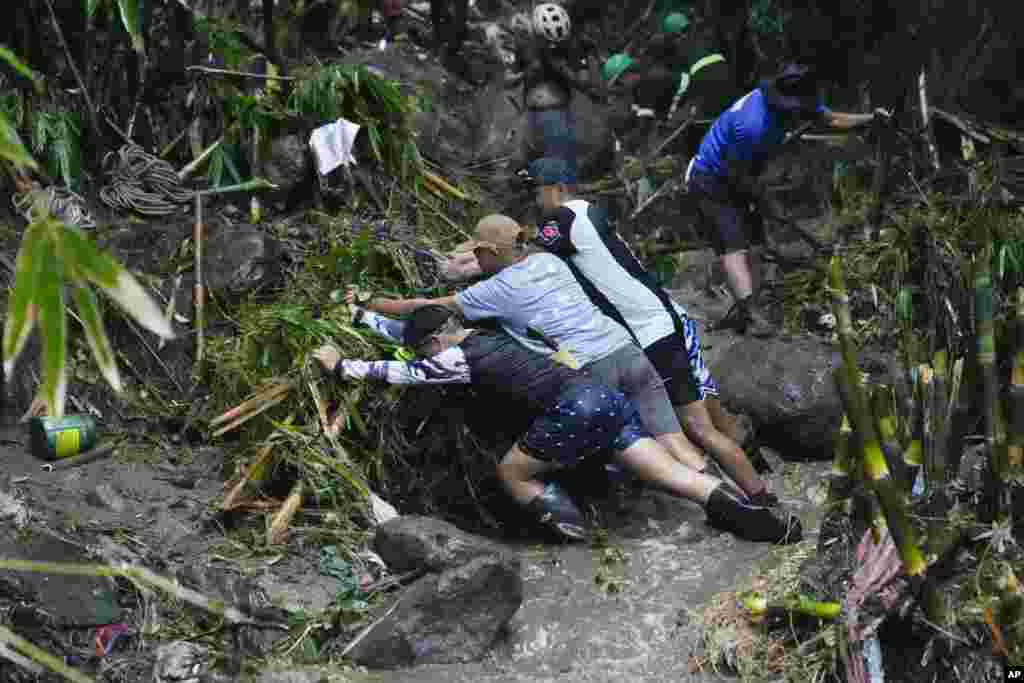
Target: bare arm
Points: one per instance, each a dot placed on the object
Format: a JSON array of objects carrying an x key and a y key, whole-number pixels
[
  {"x": 393, "y": 307},
  {"x": 844, "y": 121}
]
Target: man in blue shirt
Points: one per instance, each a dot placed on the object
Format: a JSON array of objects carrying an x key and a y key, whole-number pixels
[{"x": 723, "y": 177}]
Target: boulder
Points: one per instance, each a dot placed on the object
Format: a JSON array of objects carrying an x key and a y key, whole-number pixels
[
  {"x": 445, "y": 618},
  {"x": 787, "y": 388},
  {"x": 414, "y": 542},
  {"x": 287, "y": 164},
  {"x": 240, "y": 261}
]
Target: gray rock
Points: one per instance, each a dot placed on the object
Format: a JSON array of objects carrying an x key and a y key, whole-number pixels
[
  {"x": 64, "y": 601},
  {"x": 286, "y": 163},
  {"x": 180, "y": 662},
  {"x": 291, "y": 677},
  {"x": 787, "y": 388},
  {"x": 454, "y": 616},
  {"x": 107, "y": 497},
  {"x": 242, "y": 592},
  {"x": 414, "y": 542},
  {"x": 240, "y": 260}
]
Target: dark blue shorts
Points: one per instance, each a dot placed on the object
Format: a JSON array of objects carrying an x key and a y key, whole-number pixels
[
  {"x": 729, "y": 219},
  {"x": 586, "y": 419}
]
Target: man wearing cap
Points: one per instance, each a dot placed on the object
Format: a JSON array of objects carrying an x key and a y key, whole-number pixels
[
  {"x": 573, "y": 418},
  {"x": 722, "y": 177},
  {"x": 619, "y": 285},
  {"x": 536, "y": 299}
]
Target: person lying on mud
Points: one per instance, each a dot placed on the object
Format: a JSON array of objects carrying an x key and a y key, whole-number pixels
[
  {"x": 722, "y": 178},
  {"x": 573, "y": 419},
  {"x": 617, "y": 282},
  {"x": 536, "y": 299}
]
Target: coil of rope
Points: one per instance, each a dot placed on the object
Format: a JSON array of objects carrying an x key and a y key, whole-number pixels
[
  {"x": 144, "y": 183},
  {"x": 59, "y": 202}
]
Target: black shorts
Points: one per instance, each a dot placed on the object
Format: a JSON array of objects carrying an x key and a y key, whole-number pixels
[
  {"x": 586, "y": 419},
  {"x": 730, "y": 219},
  {"x": 669, "y": 357}
]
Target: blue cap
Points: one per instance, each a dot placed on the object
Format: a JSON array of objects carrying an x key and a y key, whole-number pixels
[{"x": 549, "y": 171}]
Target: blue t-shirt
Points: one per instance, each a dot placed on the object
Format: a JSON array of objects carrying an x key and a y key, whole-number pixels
[
  {"x": 749, "y": 130},
  {"x": 541, "y": 292}
]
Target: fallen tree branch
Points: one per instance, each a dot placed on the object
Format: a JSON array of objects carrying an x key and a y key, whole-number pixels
[
  {"x": 94, "y": 121},
  {"x": 244, "y": 74}
]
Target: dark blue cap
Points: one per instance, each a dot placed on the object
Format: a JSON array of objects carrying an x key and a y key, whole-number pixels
[{"x": 549, "y": 171}]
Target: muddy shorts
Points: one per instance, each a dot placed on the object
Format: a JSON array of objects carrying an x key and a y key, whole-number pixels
[
  {"x": 680, "y": 363},
  {"x": 585, "y": 420},
  {"x": 552, "y": 133},
  {"x": 729, "y": 218}
]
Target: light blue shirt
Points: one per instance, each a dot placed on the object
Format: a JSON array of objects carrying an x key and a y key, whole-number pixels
[{"x": 541, "y": 292}]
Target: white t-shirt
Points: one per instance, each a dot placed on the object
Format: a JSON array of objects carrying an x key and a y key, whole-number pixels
[
  {"x": 608, "y": 271},
  {"x": 541, "y": 292}
]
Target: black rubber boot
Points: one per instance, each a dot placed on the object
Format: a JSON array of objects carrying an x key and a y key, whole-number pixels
[
  {"x": 555, "y": 510},
  {"x": 729, "y": 512}
]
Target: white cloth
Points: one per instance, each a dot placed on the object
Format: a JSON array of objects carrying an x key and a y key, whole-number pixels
[{"x": 332, "y": 145}]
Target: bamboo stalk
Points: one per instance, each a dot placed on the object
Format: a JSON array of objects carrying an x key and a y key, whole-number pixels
[
  {"x": 841, "y": 483},
  {"x": 887, "y": 425},
  {"x": 200, "y": 294},
  {"x": 278, "y": 529},
  {"x": 1015, "y": 451},
  {"x": 173, "y": 588},
  {"x": 39, "y": 656},
  {"x": 249, "y": 404},
  {"x": 935, "y": 454},
  {"x": 757, "y": 604},
  {"x": 986, "y": 357},
  {"x": 264, "y": 407},
  {"x": 926, "y": 118},
  {"x": 443, "y": 184},
  {"x": 255, "y": 469},
  {"x": 196, "y": 163},
  {"x": 913, "y": 457},
  {"x": 875, "y": 468}
]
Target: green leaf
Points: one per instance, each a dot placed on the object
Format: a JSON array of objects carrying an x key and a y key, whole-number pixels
[
  {"x": 18, "y": 65},
  {"x": 84, "y": 260},
  {"x": 90, "y": 8},
  {"x": 11, "y": 147},
  {"x": 129, "y": 10},
  {"x": 215, "y": 172},
  {"x": 53, "y": 328},
  {"x": 229, "y": 164},
  {"x": 96, "y": 334},
  {"x": 137, "y": 303},
  {"x": 20, "y": 311}
]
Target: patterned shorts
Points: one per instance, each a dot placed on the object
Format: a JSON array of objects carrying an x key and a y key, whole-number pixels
[
  {"x": 586, "y": 419},
  {"x": 682, "y": 366}
]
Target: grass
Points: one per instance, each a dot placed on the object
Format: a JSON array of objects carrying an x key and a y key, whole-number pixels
[{"x": 731, "y": 643}]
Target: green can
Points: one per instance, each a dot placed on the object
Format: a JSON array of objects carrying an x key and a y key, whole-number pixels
[{"x": 53, "y": 438}]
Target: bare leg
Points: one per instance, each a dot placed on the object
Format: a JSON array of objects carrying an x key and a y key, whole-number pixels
[
  {"x": 723, "y": 421},
  {"x": 697, "y": 422},
  {"x": 652, "y": 463},
  {"x": 737, "y": 274},
  {"x": 682, "y": 450},
  {"x": 517, "y": 472}
]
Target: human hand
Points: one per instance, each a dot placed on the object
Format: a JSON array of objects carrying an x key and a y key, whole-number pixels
[{"x": 329, "y": 356}]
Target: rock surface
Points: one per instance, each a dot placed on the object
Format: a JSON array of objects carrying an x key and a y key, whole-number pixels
[
  {"x": 414, "y": 542},
  {"x": 180, "y": 662},
  {"x": 240, "y": 261},
  {"x": 454, "y": 616}
]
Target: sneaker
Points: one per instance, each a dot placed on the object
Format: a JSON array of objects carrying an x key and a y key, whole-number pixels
[
  {"x": 751, "y": 522},
  {"x": 765, "y": 499}
]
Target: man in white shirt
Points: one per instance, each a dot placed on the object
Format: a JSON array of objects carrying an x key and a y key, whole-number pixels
[{"x": 619, "y": 285}]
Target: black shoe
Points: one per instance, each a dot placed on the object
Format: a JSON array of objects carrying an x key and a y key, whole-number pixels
[
  {"x": 765, "y": 499},
  {"x": 751, "y": 522},
  {"x": 556, "y": 511}
]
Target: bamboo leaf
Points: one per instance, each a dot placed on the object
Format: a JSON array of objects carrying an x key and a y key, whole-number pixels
[
  {"x": 20, "y": 309},
  {"x": 53, "y": 327},
  {"x": 134, "y": 300},
  {"x": 84, "y": 259},
  {"x": 90, "y": 8},
  {"x": 18, "y": 65},
  {"x": 129, "y": 11},
  {"x": 11, "y": 147},
  {"x": 96, "y": 334}
]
